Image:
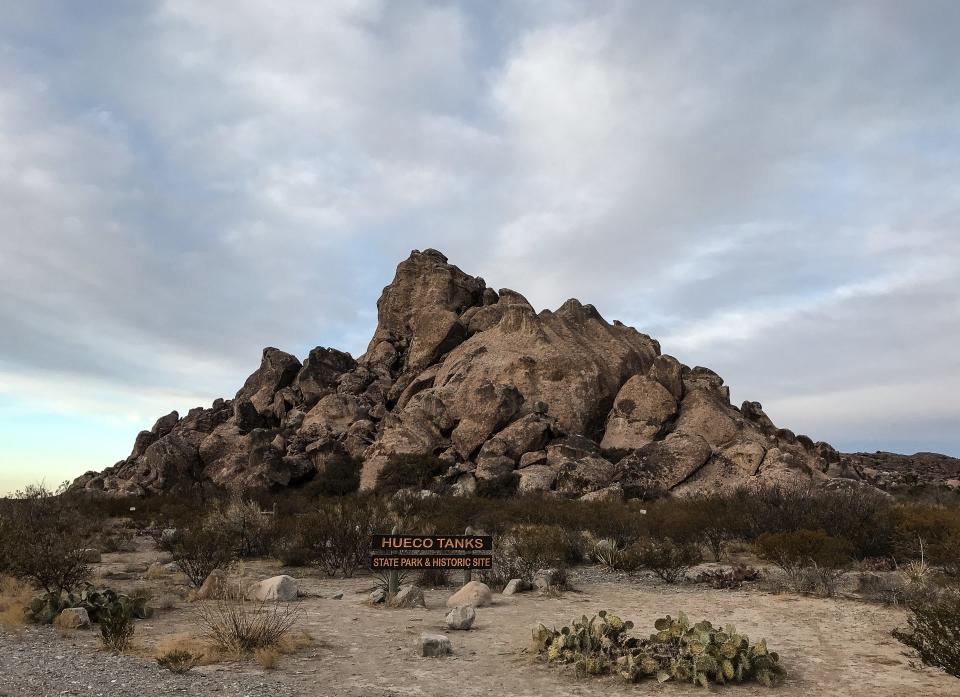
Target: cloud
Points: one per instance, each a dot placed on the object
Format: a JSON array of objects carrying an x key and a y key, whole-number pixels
[{"x": 767, "y": 188}]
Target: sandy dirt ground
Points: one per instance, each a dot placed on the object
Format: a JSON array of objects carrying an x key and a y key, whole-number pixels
[{"x": 828, "y": 646}]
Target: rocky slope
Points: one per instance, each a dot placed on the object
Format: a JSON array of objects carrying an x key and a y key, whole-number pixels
[{"x": 558, "y": 401}]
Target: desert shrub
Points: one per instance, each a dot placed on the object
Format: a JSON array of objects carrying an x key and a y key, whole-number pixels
[
  {"x": 932, "y": 532},
  {"x": 410, "y": 471},
  {"x": 290, "y": 544},
  {"x": 116, "y": 627},
  {"x": 338, "y": 532},
  {"x": 860, "y": 515},
  {"x": 542, "y": 546},
  {"x": 934, "y": 632},
  {"x": 43, "y": 539},
  {"x": 240, "y": 626},
  {"x": 607, "y": 553},
  {"x": 178, "y": 661},
  {"x": 667, "y": 559},
  {"x": 198, "y": 551},
  {"x": 239, "y": 522},
  {"x": 701, "y": 653},
  {"x": 807, "y": 557},
  {"x": 729, "y": 578}
]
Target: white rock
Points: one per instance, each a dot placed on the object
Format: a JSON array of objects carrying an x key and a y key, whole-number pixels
[
  {"x": 461, "y": 617},
  {"x": 276, "y": 588},
  {"x": 513, "y": 587}
]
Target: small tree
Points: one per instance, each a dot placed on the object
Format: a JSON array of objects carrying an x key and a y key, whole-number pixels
[
  {"x": 43, "y": 540},
  {"x": 197, "y": 552}
]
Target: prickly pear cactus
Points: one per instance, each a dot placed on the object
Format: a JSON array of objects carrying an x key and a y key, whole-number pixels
[
  {"x": 676, "y": 650},
  {"x": 44, "y": 608}
]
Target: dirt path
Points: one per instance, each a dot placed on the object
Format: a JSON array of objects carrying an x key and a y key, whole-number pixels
[{"x": 829, "y": 647}]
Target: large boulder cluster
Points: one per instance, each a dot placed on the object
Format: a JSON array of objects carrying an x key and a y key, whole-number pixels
[{"x": 559, "y": 401}]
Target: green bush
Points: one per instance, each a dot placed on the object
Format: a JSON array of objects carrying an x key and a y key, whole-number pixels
[
  {"x": 700, "y": 653},
  {"x": 410, "y": 471}
]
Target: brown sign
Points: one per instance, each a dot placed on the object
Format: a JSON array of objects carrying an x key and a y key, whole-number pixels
[{"x": 431, "y": 552}]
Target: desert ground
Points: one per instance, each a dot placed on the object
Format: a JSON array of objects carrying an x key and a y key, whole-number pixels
[{"x": 838, "y": 646}]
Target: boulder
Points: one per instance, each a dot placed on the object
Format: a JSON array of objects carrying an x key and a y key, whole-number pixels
[
  {"x": 514, "y": 586},
  {"x": 640, "y": 410},
  {"x": 537, "y": 457},
  {"x": 215, "y": 586},
  {"x": 378, "y": 596},
  {"x": 319, "y": 374},
  {"x": 73, "y": 618},
  {"x": 408, "y": 596},
  {"x": 461, "y": 618},
  {"x": 277, "y": 370},
  {"x": 433, "y": 645},
  {"x": 282, "y": 588},
  {"x": 550, "y": 578},
  {"x": 475, "y": 593},
  {"x": 536, "y": 478}
]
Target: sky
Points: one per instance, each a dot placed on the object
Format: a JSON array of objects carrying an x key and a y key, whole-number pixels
[{"x": 768, "y": 188}]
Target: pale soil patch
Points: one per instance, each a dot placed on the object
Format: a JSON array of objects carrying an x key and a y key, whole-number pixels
[{"x": 828, "y": 646}]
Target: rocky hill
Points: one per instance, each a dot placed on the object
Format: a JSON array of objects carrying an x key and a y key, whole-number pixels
[{"x": 558, "y": 401}]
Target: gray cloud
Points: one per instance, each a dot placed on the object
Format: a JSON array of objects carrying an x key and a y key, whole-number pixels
[{"x": 769, "y": 188}]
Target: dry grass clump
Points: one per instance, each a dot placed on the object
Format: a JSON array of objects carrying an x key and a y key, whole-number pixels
[
  {"x": 177, "y": 661},
  {"x": 202, "y": 651},
  {"x": 14, "y": 597},
  {"x": 268, "y": 658},
  {"x": 239, "y": 626}
]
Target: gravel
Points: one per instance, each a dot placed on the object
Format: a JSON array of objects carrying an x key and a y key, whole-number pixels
[{"x": 37, "y": 662}]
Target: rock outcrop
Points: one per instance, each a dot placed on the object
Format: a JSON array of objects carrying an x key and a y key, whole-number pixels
[{"x": 559, "y": 402}]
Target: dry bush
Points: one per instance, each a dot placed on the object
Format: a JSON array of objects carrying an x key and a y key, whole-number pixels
[
  {"x": 177, "y": 661},
  {"x": 667, "y": 559},
  {"x": 243, "y": 526},
  {"x": 239, "y": 626},
  {"x": 198, "y": 551},
  {"x": 338, "y": 533},
  {"x": 268, "y": 658},
  {"x": 14, "y": 598},
  {"x": 810, "y": 559},
  {"x": 934, "y": 632}
]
